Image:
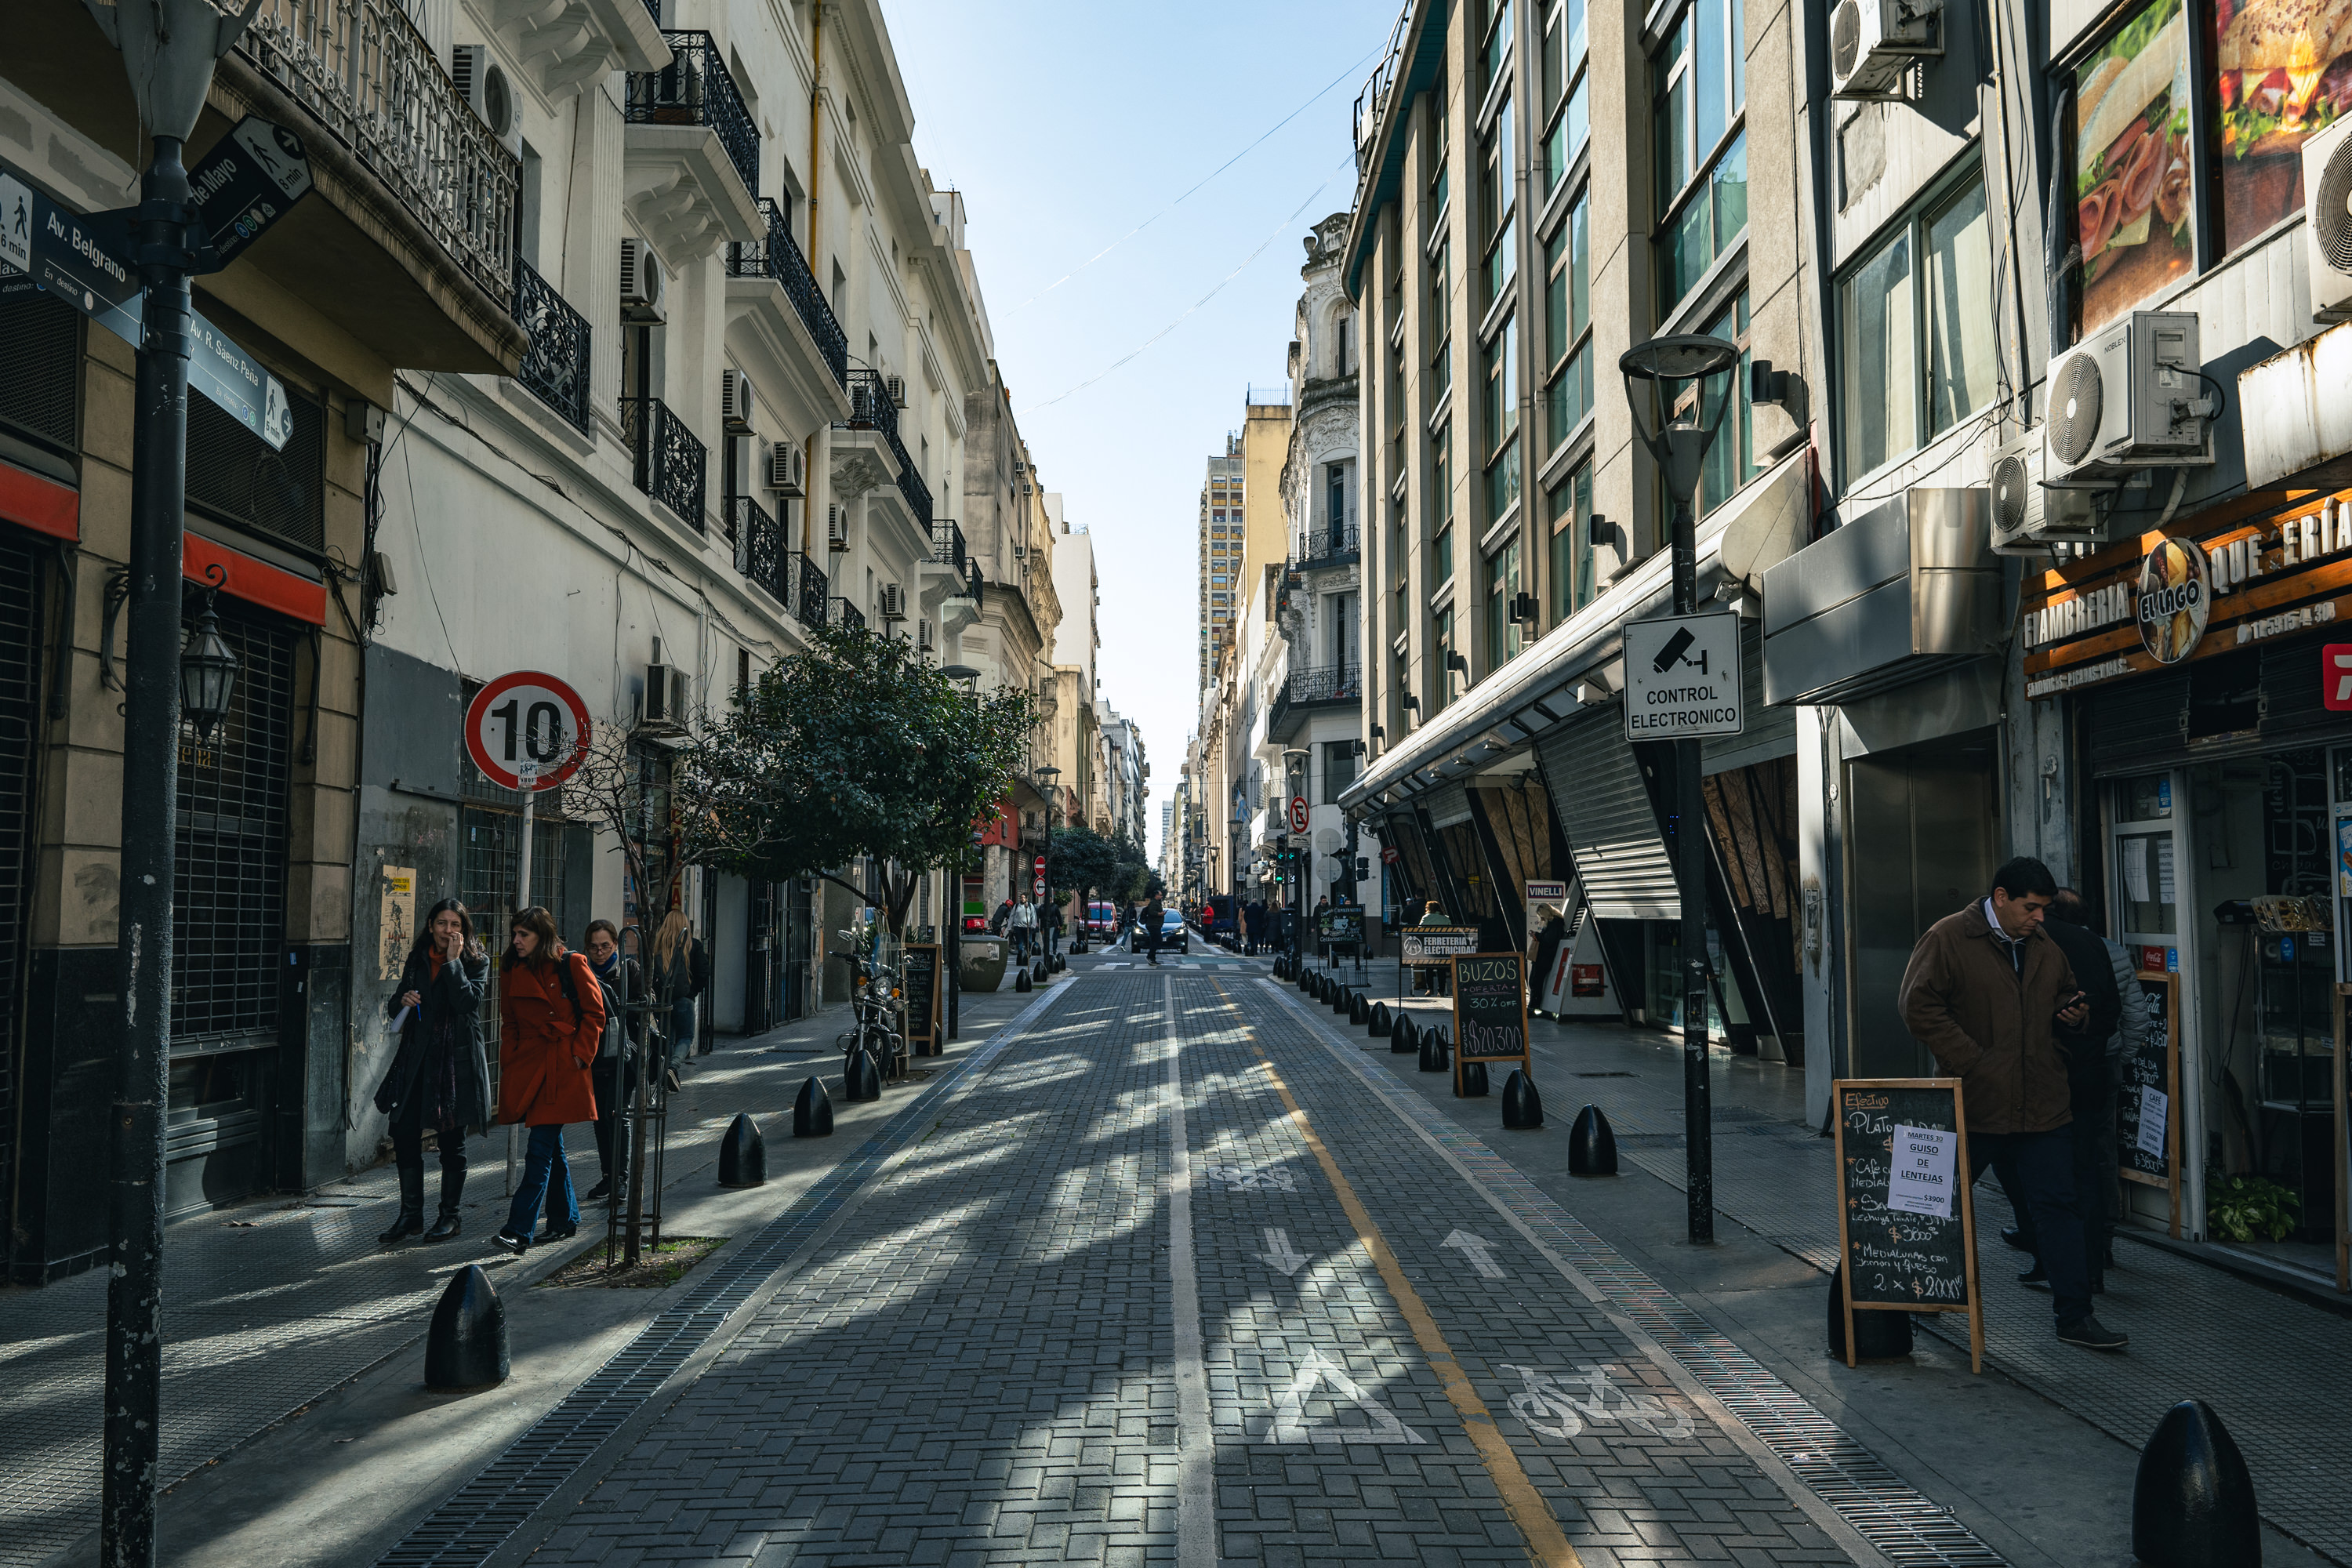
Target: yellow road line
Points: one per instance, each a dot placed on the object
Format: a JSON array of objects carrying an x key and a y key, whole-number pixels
[{"x": 1547, "y": 1542}]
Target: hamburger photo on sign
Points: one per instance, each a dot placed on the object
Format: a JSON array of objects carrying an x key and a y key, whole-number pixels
[
  {"x": 2132, "y": 208},
  {"x": 2284, "y": 70}
]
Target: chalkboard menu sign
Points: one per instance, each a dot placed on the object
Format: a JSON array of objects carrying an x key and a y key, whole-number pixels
[
  {"x": 1490, "y": 1010},
  {"x": 1907, "y": 1222},
  {"x": 918, "y": 976},
  {"x": 2147, "y": 1133}
]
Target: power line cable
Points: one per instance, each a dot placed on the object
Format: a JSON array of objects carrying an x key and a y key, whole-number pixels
[
  {"x": 1347, "y": 162},
  {"x": 1344, "y": 76}
]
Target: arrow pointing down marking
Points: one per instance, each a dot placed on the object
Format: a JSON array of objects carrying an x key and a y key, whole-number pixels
[
  {"x": 1478, "y": 1251},
  {"x": 1278, "y": 1253}
]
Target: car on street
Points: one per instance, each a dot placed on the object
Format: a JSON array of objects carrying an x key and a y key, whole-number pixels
[{"x": 1175, "y": 936}]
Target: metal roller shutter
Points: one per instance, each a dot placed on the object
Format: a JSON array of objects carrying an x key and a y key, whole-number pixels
[
  {"x": 1447, "y": 805},
  {"x": 1604, "y": 809},
  {"x": 20, "y": 644}
]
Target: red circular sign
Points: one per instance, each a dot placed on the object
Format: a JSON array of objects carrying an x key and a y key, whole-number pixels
[
  {"x": 526, "y": 716},
  {"x": 1297, "y": 813}
]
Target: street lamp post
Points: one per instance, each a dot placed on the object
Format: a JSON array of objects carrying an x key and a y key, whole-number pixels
[
  {"x": 1679, "y": 445},
  {"x": 1049, "y": 773},
  {"x": 1293, "y": 761},
  {"x": 966, "y": 676}
]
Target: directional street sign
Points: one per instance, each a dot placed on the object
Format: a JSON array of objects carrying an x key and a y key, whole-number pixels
[
  {"x": 84, "y": 259},
  {"x": 1682, "y": 678},
  {"x": 245, "y": 184}
]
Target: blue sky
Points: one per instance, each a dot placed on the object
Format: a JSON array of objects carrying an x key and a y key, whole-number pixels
[{"x": 1067, "y": 124}]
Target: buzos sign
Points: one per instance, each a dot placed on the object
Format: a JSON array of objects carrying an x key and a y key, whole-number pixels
[{"x": 2176, "y": 596}]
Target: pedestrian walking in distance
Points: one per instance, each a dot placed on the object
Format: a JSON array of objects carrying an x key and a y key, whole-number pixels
[
  {"x": 1022, "y": 924},
  {"x": 438, "y": 1079},
  {"x": 1155, "y": 915},
  {"x": 551, "y": 1022},
  {"x": 1987, "y": 992},
  {"x": 614, "y": 1076},
  {"x": 682, "y": 971}
]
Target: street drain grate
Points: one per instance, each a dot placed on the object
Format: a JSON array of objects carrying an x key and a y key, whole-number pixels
[
  {"x": 1911, "y": 1529},
  {"x": 480, "y": 1517}
]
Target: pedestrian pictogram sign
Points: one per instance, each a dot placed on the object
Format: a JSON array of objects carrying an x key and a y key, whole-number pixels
[{"x": 523, "y": 722}]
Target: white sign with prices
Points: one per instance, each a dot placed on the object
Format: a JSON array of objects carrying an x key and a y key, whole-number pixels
[
  {"x": 1682, "y": 678},
  {"x": 2153, "y": 1104},
  {"x": 1921, "y": 1179}
]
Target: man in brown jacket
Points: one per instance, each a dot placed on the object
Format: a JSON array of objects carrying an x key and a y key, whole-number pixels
[{"x": 1984, "y": 991}]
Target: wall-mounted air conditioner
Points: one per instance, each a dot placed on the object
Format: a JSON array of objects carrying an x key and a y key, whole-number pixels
[
  {"x": 1875, "y": 43},
  {"x": 2327, "y": 187},
  {"x": 895, "y": 387},
  {"x": 2026, "y": 518},
  {"x": 482, "y": 82},
  {"x": 787, "y": 470},
  {"x": 837, "y": 528},
  {"x": 641, "y": 285},
  {"x": 894, "y": 602},
  {"x": 2131, "y": 395},
  {"x": 737, "y": 401},
  {"x": 666, "y": 695},
  {"x": 922, "y": 637}
]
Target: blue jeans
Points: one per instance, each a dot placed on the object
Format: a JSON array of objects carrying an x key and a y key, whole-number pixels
[
  {"x": 2037, "y": 1170},
  {"x": 546, "y": 1178},
  {"x": 681, "y": 1031}
]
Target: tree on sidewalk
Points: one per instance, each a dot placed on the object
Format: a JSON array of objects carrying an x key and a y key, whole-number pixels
[{"x": 856, "y": 746}]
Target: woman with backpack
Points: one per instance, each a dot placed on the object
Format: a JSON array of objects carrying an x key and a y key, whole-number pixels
[
  {"x": 550, "y": 1027},
  {"x": 438, "y": 1079}
]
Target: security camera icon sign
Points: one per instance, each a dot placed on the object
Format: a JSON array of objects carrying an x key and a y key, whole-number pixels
[{"x": 1676, "y": 651}]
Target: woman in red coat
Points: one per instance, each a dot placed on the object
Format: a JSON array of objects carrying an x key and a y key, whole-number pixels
[{"x": 551, "y": 1024}]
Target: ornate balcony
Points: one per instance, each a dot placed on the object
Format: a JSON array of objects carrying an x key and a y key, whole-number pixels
[
  {"x": 778, "y": 257},
  {"x": 669, "y": 461},
  {"x": 872, "y": 408},
  {"x": 555, "y": 366},
  {"x": 805, "y": 589},
  {"x": 846, "y": 614},
  {"x": 367, "y": 75},
  {"x": 759, "y": 547},
  {"x": 946, "y": 544},
  {"x": 698, "y": 90},
  {"x": 1325, "y": 546},
  {"x": 1323, "y": 686}
]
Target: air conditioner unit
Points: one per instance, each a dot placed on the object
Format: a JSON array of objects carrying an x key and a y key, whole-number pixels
[
  {"x": 837, "y": 528},
  {"x": 736, "y": 400},
  {"x": 1874, "y": 44},
  {"x": 787, "y": 470},
  {"x": 922, "y": 637},
  {"x": 641, "y": 284},
  {"x": 2027, "y": 519},
  {"x": 2327, "y": 182},
  {"x": 665, "y": 695},
  {"x": 482, "y": 83},
  {"x": 894, "y": 602},
  {"x": 896, "y": 387},
  {"x": 2128, "y": 397}
]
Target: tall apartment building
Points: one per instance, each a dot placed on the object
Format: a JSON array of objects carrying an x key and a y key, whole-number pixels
[{"x": 1222, "y": 489}]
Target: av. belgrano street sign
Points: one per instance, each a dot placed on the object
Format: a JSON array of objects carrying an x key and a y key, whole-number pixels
[{"x": 1682, "y": 678}]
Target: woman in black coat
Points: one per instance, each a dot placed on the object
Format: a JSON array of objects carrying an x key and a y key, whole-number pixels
[{"x": 439, "y": 1077}]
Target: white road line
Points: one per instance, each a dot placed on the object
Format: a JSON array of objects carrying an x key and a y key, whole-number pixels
[{"x": 1196, "y": 1449}]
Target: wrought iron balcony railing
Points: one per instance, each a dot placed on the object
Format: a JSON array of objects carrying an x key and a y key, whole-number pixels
[
  {"x": 364, "y": 72},
  {"x": 846, "y": 614},
  {"x": 555, "y": 366},
  {"x": 759, "y": 547},
  {"x": 669, "y": 461},
  {"x": 697, "y": 90},
  {"x": 947, "y": 543},
  {"x": 778, "y": 256},
  {"x": 871, "y": 407},
  {"x": 1328, "y": 542},
  {"x": 805, "y": 589},
  {"x": 1327, "y": 683}
]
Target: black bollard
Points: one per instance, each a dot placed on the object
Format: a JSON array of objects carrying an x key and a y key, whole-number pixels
[
  {"x": 2193, "y": 1499},
  {"x": 813, "y": 1112},
  {"x": 466, "y": 1345},
  {"x": 1021, "y": 979},
  {"x": 1037, "y": 971},
  {"x": 1378, "y": 1020},
  {"x": 1340, "y": 997},
  {"x": 1358, "y": 1010},
  {"x": 1402, "y": 1036},
  {"x": 1877, "y": 1336},
  {"x": 860, "y": 1078},
  {"x": 1433, "y": 1050},
  {"x": 1472, "y": 1083},
  {"x": 1522, "y": 1106},
  {"x": 1591, "y": 1146},
  {"x": 744, "y": 1153}
]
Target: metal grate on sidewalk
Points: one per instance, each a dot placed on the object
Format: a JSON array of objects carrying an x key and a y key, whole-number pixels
[
  {"x": 1883, "y": 1509},
  {"x": 480, "y": 1517}
]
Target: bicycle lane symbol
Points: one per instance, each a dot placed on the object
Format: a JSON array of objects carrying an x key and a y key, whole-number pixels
[{"x": 1550, "y": 1407}]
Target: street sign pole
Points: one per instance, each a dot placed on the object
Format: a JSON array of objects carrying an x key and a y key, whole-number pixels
[{"x": 528, "y": 773}]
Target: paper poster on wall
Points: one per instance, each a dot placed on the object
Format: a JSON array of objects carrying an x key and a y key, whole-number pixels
[
  {"x": 2135, "y": 859},
  {"x": 2154, "y": 1103},
  {"x": 1919, "y": 1177},
  {"x": 396, "y": 919}
]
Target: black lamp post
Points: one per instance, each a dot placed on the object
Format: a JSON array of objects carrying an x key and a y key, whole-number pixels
[
  {"x": 1049, "y": 773},
  {"x": 208, "y": 668},
  {"x": 1680, "y": 446},
  {"x": 952, "y": 946}
]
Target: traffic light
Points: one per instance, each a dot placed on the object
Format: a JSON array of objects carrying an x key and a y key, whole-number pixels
[{"x": 1363, "y": 869}]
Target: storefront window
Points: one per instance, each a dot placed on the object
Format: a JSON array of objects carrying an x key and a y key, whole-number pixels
[{"x": 2135, "y": 209}]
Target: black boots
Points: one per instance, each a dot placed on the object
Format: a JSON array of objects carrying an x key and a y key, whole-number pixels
[
  {"x": 452, "y": 1189},
  {"x": 412, "y": 1205}
]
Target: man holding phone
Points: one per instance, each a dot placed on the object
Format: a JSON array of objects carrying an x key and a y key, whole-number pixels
[{"x": 1987, "y": 992}]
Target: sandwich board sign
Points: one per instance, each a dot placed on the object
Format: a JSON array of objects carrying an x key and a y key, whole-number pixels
[
  {"x": 1907, "y": 1220},
  {"x": 1490, "y": 1011}
]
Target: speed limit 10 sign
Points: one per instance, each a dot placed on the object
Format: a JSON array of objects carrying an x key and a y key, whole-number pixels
[{"x": 526, "y": 722}]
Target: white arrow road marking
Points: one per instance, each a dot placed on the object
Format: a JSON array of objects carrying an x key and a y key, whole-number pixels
[
  {"x": 1290, "y": 1409},
  {"x": 1476, "y": 1251},
  {"x": 1278, "y": 1253}
]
